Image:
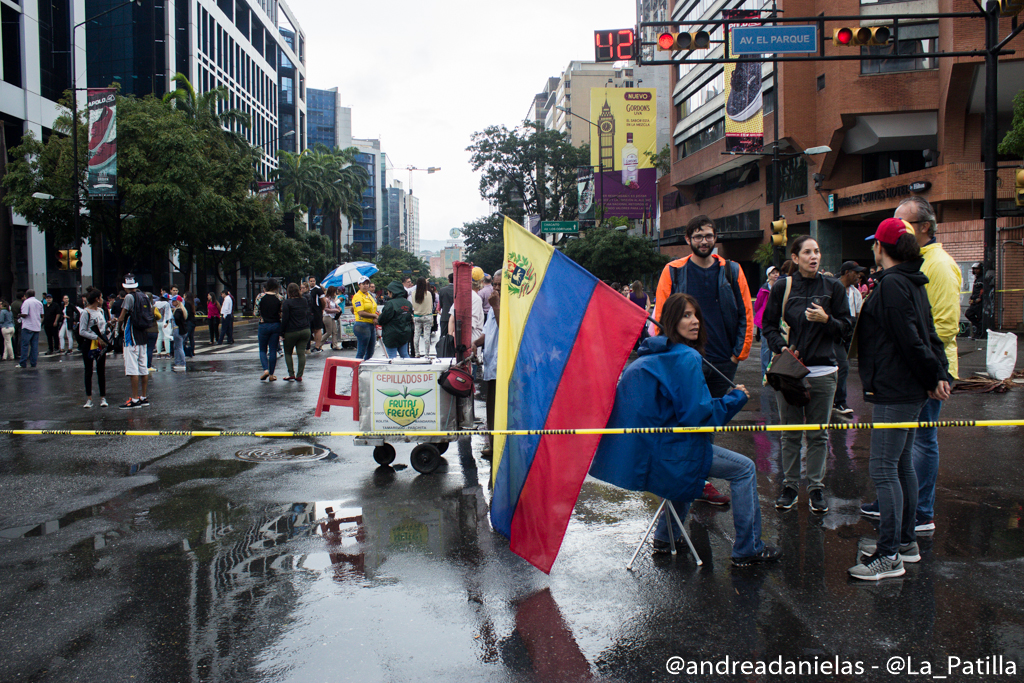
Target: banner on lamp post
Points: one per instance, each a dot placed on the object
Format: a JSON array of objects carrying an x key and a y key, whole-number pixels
[
  {"x": 744, "y": 105},
  {"x": 102, "y": 164},
  {"x": 586, "y": 203}
]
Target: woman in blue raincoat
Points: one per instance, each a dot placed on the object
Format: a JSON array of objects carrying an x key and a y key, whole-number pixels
[{"x": 665, "y": 387}]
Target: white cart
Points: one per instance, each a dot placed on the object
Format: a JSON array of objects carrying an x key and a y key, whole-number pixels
[{"x": 403, "y": 396}]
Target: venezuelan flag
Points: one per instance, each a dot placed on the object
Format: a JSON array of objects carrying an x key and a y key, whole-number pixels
[{"x": 564, "y": 338}]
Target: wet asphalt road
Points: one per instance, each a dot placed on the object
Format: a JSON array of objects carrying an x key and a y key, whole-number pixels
[{"x": 170, "y": 559}]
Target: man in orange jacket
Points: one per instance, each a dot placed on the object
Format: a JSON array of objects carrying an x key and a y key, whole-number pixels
[{"x": 721, "y": 289}]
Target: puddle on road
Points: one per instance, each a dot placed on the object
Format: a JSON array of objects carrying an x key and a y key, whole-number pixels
[
  {"x": 112, "y": 508},
  {"x": 273, "y": 453}
]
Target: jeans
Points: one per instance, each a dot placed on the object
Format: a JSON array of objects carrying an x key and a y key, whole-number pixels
[
  {"x": 402, "y": 351},
  {"x": 8, "y": 333},
  {"x": 268, "y": 334},
  {"x": 843, "y": 361},
  {"x": 65, "y": 337},
  {"x": 227, "y": 328},
  {"x": 101, "y": 372},
  {"x": 29, "y": 347},
  {"x": 214, "y": 325},
  {"x": 296, "y": 340},
  {"x": 366, "y": 340},
  {"x": 421, "y": 333},
  {"x": 190, "y": 340},
  {"x": 818, "y": 411},
  {"x": 164, "y": 338},
  {"x": 766, "y": 356},
  {"x": 892, "y": 470},
  {"x": 178, "y": 344},
  {"x": 151, "y": 338},
  {"x": 926, "y": 460},
  {"x": 741, "y": 474}
]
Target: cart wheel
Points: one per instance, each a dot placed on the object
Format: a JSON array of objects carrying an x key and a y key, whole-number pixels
[
  {"x": 425, "y": 458},
  {"x": 384, "y": 455},
  {"x": 441, "y": 447}
]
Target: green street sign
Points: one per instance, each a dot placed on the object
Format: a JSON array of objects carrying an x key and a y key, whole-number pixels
[{"x": 549, "y": 227}]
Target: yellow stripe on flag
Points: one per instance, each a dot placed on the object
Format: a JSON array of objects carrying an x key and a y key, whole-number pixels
[{"x": 526, "y": 262}]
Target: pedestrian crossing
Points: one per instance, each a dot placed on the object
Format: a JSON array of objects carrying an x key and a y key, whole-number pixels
[{"x": 233, "y": 348}]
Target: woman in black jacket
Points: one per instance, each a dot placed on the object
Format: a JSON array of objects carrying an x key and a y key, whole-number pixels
[
  {"x": 817, "y": 315},
  {"x": 295, "y": 330},
  {"x": 902, "y": 363}
]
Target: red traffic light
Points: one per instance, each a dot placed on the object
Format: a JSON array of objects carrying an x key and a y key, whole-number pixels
[
  {"x": 843, "y": 36},
  {"x": 666, "y": 41}
]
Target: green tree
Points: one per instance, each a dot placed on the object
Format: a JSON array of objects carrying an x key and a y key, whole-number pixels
[
  {"x": 484, "y": 230},
  {"x": 529, "y": 164},
  {"x": 1013, "y": 142},
  {"x": 615, "y": 255},
  {"x": 395, "y": 264}
]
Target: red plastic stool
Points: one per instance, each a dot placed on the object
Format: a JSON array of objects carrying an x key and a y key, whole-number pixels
[{"x": 329, "y": 397}]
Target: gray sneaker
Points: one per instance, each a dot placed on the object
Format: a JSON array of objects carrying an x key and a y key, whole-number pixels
[
  {"x": 877, "y": 567},
  {"x": 909, "y": 552}
]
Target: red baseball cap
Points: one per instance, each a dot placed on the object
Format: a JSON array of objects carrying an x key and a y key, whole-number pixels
[{"x": 890, "y": 230}]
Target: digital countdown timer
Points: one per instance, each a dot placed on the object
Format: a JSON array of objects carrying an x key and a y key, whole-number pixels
[{"x": 615, "y": 45}]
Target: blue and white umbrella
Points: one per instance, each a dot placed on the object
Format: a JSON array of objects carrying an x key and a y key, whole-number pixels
[{"x": 348, "y": 274}]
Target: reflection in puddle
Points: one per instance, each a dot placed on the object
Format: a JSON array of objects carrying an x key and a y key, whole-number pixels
[{"x": 112, "y": 509}]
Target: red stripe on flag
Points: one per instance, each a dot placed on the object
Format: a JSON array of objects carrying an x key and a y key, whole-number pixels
[{"x": 584, "y": 399}]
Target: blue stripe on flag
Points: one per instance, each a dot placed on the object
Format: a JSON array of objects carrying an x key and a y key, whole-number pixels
[{"x": 544, "y": 350}]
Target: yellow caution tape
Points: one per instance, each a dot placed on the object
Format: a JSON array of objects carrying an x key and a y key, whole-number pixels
[{"x": 517, "y": 432}]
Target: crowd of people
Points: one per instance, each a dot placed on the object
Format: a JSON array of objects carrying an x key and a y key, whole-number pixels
[{"x": 902, "y": 315}]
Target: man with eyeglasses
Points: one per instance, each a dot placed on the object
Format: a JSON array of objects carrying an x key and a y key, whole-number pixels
[
  {"x": 720, "y": 288},
  {"x": 943, "y": 288}
]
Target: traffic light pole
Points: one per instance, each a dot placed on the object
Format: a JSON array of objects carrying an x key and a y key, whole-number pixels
[
  {"x": 991, "y": 166},
  {"x": 777, "y": 253}
]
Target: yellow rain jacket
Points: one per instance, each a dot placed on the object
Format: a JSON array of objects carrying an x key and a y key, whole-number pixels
[{"x": 944, "y": 283}]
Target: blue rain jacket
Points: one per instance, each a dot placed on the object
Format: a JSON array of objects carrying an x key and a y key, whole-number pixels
[{"x": 664, "y": 387}]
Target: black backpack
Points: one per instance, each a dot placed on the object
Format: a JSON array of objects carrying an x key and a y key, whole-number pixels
[{"x": 141, "y": 313}]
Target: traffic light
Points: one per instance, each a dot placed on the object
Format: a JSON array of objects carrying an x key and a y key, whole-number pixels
[
  {"x": 861, "y": 35},
  {"x": 1010, "y": 8},
  {"x": 779, "y": 237},
  {"x": 1018, "y": 181},
  {"x": 69, "y": 259},
  {"x": 670, "y": 42}
]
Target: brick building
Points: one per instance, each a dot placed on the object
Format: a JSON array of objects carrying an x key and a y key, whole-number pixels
[{"x": 896, "y": 126}]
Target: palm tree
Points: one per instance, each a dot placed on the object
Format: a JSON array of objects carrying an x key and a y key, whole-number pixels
[{"x": 206, "y": 110}]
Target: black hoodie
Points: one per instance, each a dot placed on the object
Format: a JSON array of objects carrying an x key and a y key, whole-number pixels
[{"x": 901, "y": 356}]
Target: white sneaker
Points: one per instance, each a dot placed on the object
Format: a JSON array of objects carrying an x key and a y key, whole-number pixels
[
  {"x": 88, "y": 403},
  {"x": 178, "y": 368},
  {"x": 103, "y": 403}
]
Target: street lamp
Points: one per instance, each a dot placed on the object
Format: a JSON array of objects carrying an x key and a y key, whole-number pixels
[
  {"x": 600, "y": 163},
  {"x": 74, "y": 123}
]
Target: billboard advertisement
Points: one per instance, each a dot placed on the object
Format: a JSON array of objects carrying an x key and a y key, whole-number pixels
[
  {"x": 586, "y": 200},
  {"x": 626, "y": 119},
  {"x": 102, "y": 159},
  {"x": 744, "y": 115}
]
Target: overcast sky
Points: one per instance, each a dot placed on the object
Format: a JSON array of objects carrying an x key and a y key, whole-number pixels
[{"x": 424, "y": 76}]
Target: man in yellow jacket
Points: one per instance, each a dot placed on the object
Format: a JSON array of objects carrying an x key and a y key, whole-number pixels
[{"x": 944, "y": 283}]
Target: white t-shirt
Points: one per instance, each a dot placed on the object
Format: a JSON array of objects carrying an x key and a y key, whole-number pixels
[{"x": 228, "y": 307}]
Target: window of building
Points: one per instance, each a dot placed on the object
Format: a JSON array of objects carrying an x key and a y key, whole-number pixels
[
  {"x": 711, "y": 88},
  {"x": 748, "y": 221},
  {"x": 226, "y": 6},
  {"x": 54, "y": 40},
  {"x": 242, "y": 18},
  {"x": 11, "y": 32},
  {"x": 821, "y": 82},
  {"x": 792, "y": 179},
  {"x": 733, "y": 179},
  {"x": 888, "y": 164},
  {"x": 700, "y": 140},
  {"x": 913, "y": 40},
  {"x": 256, "y": 33},
  {"x": 768, "y": 100}
]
